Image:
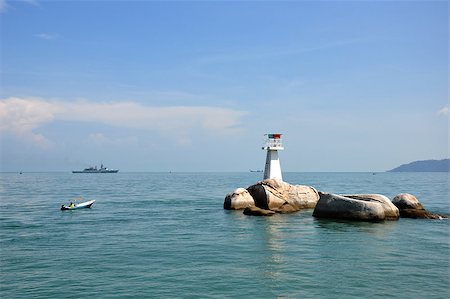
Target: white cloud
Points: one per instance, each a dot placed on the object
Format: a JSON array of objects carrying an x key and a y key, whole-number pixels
[
  {"x": 46, "y": 36},
  {"x": 22, "y": 116},
  {"x": 443, "y": 112}
]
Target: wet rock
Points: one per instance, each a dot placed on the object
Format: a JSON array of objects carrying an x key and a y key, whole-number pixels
[
  {"x": 340, "y": 207},
  {"x": 255, "y": 211},
  {"x": 238, "y": 199},
  {"x": 410, "y": 207},
  {"x": 276, "y": 195},
  {"x": 391, "y": 212},
  {"x": 286, "y": 208}
]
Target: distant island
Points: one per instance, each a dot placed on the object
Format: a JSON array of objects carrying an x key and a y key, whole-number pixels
[{"x": 424, "y": 166}]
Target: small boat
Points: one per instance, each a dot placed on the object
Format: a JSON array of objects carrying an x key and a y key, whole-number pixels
[
  {"x": 102, "y": 169},
  {"x": 81, "y": 205}
]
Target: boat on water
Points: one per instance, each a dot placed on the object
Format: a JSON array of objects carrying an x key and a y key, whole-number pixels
[
  {"x": 94, "y": 169},
  {"x": 76, "y": 206}
]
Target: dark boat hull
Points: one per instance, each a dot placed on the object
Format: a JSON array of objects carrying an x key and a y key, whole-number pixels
[{"x": 96, "y": 171}]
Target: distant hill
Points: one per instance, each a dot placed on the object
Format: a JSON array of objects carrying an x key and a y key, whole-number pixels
[{"x": 424, "y": 166}]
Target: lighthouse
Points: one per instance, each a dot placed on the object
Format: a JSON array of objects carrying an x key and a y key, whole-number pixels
[{"x": 273, "y": 168}]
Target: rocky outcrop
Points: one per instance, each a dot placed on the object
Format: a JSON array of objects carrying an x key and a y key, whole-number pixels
[
  {"x": 238, "y": 199},
  {"x": 281, "y": 197},
  {"x": 271, "y": 196},
  {"x": 255, "y": 211},
  {"x": 391, "y": 212},
  {"x": 341, "y": 207},
  {"x": 410, "y": 207}
]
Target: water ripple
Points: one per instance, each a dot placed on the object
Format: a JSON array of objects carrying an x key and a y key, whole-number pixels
[{"x": 166, "y": 235}]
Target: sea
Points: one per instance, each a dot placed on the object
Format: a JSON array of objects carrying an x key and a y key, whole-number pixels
[{"x": 166, "y": 235}]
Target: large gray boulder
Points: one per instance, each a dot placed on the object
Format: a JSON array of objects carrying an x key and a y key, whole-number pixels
[
  {"x": 410, "y": 207},
  {"x": 279, "y": 196},
  {"x": 238, "y": 199},
  {"x": 340, "y": 207},
  {"x": 391, "y": 212}
]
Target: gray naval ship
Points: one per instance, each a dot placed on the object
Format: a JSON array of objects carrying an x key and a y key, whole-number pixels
[{"x": 94, "y": 169}]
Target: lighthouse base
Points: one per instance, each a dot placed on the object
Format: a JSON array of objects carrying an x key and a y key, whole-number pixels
[{"x": 273, "y": 168}]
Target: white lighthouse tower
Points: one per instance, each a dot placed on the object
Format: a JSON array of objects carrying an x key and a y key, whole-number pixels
[{"x": 273, "y": 168}]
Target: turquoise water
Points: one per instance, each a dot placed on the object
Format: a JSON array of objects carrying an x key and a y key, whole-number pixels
[{"x": 166, "y": 235}]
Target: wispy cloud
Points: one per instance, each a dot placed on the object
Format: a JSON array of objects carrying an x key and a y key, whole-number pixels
[
  {"x": 32, "y": 2},
  {"x": 22, "y": 116},
  {"x": 259, "y": 53},
  {"x": 102, "y": 139},
  {"x": 4, "y": 5},
  {"x": 444, "y": 111},
  {"x": 46, "y": 36}
]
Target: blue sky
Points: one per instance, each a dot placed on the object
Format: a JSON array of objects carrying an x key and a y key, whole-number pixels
[{"x": 194, "y": 86}]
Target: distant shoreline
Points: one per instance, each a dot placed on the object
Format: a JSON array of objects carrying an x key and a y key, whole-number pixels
[{"x": 424, "y": 166}]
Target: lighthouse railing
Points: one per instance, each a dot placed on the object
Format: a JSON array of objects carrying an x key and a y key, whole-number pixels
[{"x": 273, "y": 143}]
